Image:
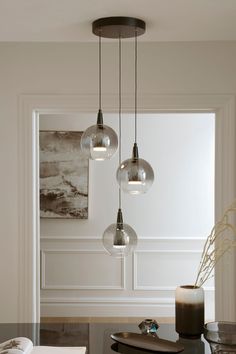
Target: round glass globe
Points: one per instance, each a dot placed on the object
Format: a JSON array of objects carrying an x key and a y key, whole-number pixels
[
  {"x": 118, "y": 242},
  {"x": 135, "y": 176},
  {"x": 99, "y": 142}
]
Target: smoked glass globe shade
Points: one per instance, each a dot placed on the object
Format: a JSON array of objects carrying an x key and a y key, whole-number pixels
[
  {"x": 135, "y": 176},
  {"x": 99, "y": 142},
  {"x": 119, "y": 242}
]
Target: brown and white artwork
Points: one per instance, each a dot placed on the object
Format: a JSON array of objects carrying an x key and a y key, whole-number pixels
[{"x": 63, "y": 176}]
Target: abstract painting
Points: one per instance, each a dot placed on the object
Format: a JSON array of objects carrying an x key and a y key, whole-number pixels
[{"x": 63, "y": 176}]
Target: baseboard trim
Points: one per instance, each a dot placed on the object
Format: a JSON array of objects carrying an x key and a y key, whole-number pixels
[{"x": 102, "y": 319}]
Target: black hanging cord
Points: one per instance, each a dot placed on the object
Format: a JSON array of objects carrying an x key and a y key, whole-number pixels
[
  {"x": 100, "y": 71},
  {"x": 135, "y": 147},
  {"x": 119, "y": 115},
  {"x": 100, "y": 115},
  {"x": 135, "y": 85}
]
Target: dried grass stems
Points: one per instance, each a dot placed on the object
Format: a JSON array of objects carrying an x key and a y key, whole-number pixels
[{"x": 221, "y": 239}]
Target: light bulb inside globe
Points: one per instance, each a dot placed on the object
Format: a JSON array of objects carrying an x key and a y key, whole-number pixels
[
  {"x": 119, "y": 239},
  {"x": 99, "y": 142},
  {"x": 137, "y": 183},
  {"x": 135, "y": 175},
  {"x": 99, "y": 148}
]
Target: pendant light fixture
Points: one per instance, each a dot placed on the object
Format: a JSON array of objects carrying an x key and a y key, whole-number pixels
[
  {"x": 119, "y": 239},
  {"x": 99, "y": 142},
  {"x": 135, "y": 175}
]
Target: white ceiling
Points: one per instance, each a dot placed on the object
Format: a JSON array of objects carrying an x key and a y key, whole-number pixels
[{"x": 70, "y": 20}]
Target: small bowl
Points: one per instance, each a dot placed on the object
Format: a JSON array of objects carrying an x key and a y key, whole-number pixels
[{"x": 221, "y": 336}]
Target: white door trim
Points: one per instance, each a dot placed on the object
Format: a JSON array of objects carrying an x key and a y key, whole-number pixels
[{"x": 30, "y": 106}]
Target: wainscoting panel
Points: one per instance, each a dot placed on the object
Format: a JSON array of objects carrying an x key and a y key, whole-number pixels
[
  {"x": 79, "y": 279},
  {"x": 163, "y": 270},
  {"x": 75, "y": 269}
]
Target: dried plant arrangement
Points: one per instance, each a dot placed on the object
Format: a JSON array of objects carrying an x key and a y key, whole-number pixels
[{"x": 221, "y": 239}]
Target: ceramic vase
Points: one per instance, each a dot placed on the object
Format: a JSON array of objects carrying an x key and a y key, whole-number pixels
[{"x": 189, "y": 311}]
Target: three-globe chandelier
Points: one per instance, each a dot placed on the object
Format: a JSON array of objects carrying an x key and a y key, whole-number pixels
[{"x": 100, "y": 142}]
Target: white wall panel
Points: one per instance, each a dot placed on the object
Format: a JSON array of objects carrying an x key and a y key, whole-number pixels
[
  {"x": 164, "y": 270},
  {"x": 72, "y": 269},
  {"x": 106, "y": 309},
  {"x": 149, "y": 278}
]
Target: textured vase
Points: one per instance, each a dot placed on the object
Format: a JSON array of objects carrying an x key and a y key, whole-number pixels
[{"x": 189, "y": 311}]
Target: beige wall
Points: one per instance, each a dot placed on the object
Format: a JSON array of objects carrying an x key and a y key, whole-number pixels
[{"x": 70, "y": 68}]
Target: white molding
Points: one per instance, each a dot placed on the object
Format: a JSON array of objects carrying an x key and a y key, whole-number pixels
[
  {"x": 96, "y": 238},
  {"x": 28, "y": 217},
  {"x": 143, "y": 301},
  {"x": 110, "y": 301},
  {"x": 70, "y": 238},
  {"x": 109, "y": 306},
  {"x": 159, "y": 288},
  {"x": 78, "y": 287},
  {"x": 65, "y": 104},
  {"x": 225, "y": 192},
  {"x": 32, "y": 105},
  {"x": 105, "y": 306}
]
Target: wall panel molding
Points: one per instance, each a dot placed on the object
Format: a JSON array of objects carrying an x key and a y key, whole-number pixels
[
  {"x": 137, "y": 286},
  {"x": 112, "y": 300},
  {"x": 103, "y": 306},
  {"x": 96, "y": 238},
  {"x": 93, "y": 253}
]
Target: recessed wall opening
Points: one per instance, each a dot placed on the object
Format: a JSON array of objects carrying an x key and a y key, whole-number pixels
[{"x": 172, "y": 221}]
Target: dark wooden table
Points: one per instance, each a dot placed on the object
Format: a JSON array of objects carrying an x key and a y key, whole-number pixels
[{"x": 95, "y": 336}]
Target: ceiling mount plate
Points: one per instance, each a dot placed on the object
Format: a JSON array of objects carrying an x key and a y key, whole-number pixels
[{"x": 118, "y": 27}]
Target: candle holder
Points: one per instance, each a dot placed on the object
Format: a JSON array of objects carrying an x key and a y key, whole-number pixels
[{"x": 149, "y": 326}]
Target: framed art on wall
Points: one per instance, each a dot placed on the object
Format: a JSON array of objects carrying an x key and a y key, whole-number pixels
[{"x": 63, "y": 175}]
